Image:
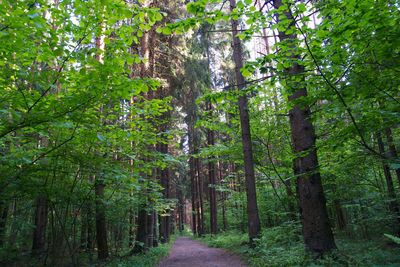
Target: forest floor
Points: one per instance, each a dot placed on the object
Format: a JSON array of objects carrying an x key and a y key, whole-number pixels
[
  {"x": 186, "y": 252},
  {"x": 283, "y": 246}
]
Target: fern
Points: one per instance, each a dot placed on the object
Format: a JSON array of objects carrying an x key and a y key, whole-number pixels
[{"x": 395, "y": 239}]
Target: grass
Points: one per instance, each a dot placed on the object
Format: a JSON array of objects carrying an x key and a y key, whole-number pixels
[{"x": 283, "y": 246}]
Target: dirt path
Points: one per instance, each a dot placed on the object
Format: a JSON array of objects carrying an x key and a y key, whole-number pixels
[{"x": 189, "y": 253}]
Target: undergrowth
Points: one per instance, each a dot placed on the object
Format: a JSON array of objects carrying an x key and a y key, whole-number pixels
[
  {"x": 149, "y": 259},
  {"x": 283, "y": 246}
]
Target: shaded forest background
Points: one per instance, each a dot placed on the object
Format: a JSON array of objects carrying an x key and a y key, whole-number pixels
[{"x": 267, "y": 127}]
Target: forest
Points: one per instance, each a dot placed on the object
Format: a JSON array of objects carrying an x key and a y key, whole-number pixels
[{"x": 268, "y": 128}]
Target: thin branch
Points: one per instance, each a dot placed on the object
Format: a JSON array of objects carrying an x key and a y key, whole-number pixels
[
  {"x": 26, "y": 123},
  {"x": 247, "y": 83},
  {"x": 60, "y": 69},
  {"x": 270, "y": 159}
]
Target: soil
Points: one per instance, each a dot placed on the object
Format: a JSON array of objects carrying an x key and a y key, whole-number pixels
[{"x": 189, "y": 253}]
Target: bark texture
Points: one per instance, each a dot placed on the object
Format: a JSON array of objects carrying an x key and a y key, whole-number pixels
[
  {"x": 39, "y": 233},
  {"x": 393, "y": 204},
  {"x": 392, "y": 150},
  {"x": 252, "y": 209},
  {"x": 212, "y": 183},
  {"x": 3, "y": 221},
  {"x": 101, "y": 227},
  {"x": 317, "y": 232}
]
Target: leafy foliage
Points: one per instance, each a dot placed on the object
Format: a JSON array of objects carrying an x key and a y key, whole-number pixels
[{"x": 76, "y": 110}]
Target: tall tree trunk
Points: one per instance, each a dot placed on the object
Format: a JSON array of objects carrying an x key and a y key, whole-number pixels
[
  {"x": 154, "y": 236},
  {"x": 393, "y": 205},
  {"x": 3, "y": 221},
  {"x": 194, "y": 172},
  {"x": 392, "y": 150},
  {"x": 291, "y": 199},
  {"x": 199, "y": 191},
  {"x": 165, "y": 220},
  {"x": 193, "y": 182},
  {"x": 317, "y": 232},
  {"x": 341, "y": 220},
  {"x": 212, "y": 182},
  {"x": 181, "y": 209},
  {"x": 200, "y": 206},
  {"x": 210, "y": 142},
  {"x": 131, "y": 231},
  {"x": 39, "y": 233},
  {"x": 150, "y": 225},
  {"x": 90, "y": 231},
  {"x": 252, "y": 209},
  {"x": 84, "y": 230},
  {"x": 101, "y": 227},
  {"x": 146, "y": 219},
  {"x": 14, "y": 225},
  {"x": 141, "y": 231},
  {"x": 223, "y": 195}
]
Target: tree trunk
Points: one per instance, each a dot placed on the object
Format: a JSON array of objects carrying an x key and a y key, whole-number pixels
[
  {"x": 154, "y": 235},
  {"x": 210, "y": 142},
  {"x": 146, "y": 220},
  {"x": 101, "y": 227},
  {"x": 131, "y": 238},
  {"x": 165, "y": 220},
  {"x": 39, "y": 233},
  {"x": 181, "y": 209},
  {"x": 193, "y": 194},
  {"x": 141, "y": 231},
  {"x": 393, "y": 205},
  {"x": 212, "y": 182},
  {"x": 200, "y": 206},
  {"x": 223, "y": 195},
  {"x": 340, "y": 217},
  {"x": 84, "y": 230},
  {"x": 252, "y": 209},
  {"x": 341, "y": 220},
  {"x": 317, "y": 232},
  {"x": 3, "y": 221},
  {"x": 90, "y": 230},
  {"x": 291, "y": 199},
  {"x": 14, "y": 225},
  {"x": 392, "y": 150},
  {"x": 149, "y": 227}
]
